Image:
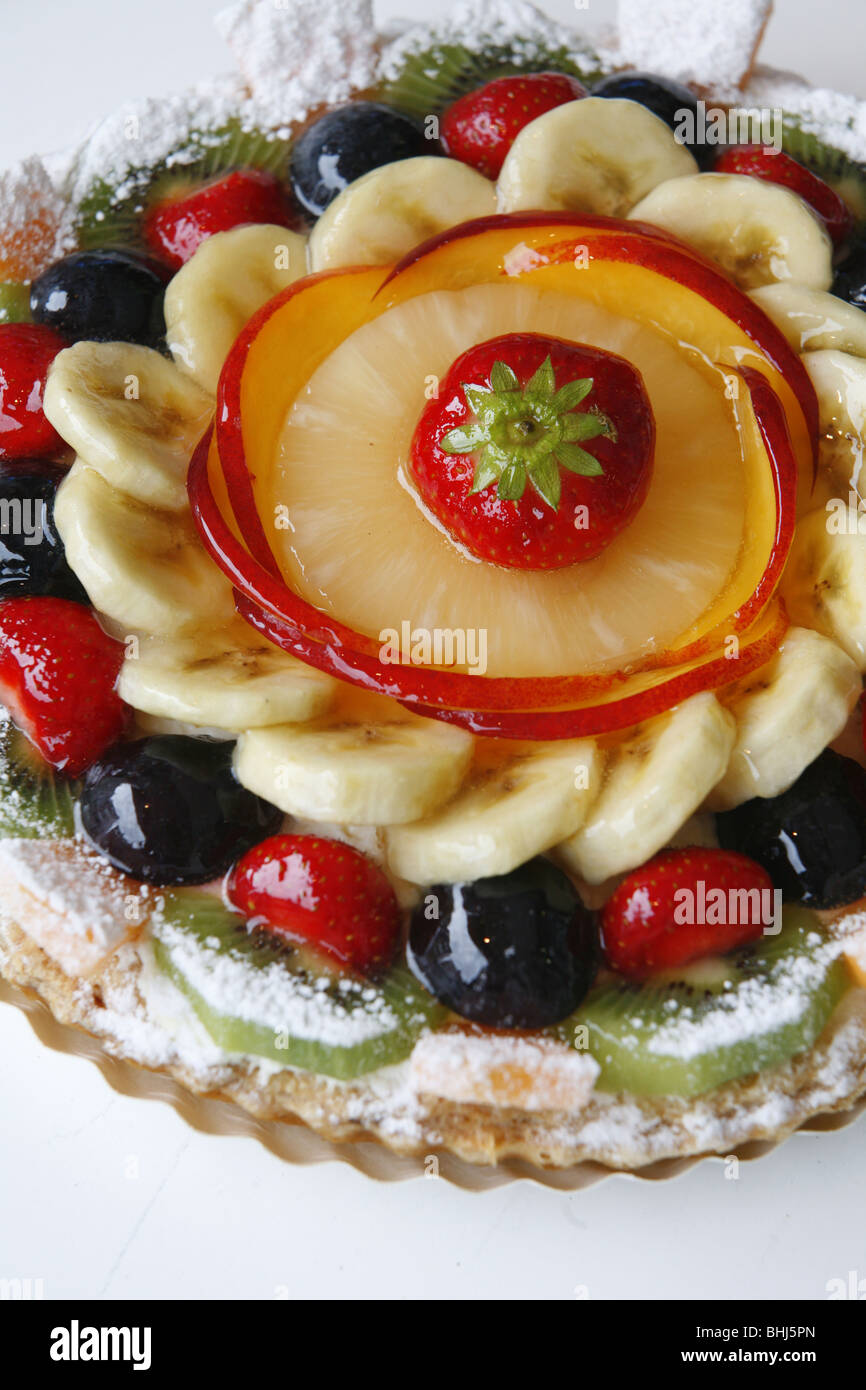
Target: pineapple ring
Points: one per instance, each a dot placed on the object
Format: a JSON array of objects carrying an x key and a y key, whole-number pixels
[{"x": 343, "y": 304}]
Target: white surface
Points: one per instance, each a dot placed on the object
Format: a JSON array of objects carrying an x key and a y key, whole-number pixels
[{"x": 105, "y": 1196}]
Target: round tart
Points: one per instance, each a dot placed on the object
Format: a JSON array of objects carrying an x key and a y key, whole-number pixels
[{"x": 432, "y": 613}]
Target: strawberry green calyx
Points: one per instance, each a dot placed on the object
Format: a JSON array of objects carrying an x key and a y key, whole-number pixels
[{"x": 522, "y": 434}]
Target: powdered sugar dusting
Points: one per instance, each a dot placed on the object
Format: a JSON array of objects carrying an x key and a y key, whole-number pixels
[
  {"x": 32, "y": 234},
  {"x": 525, "y": 1073},
  {"x": 300, "y": 56},
  {"x": 276, "y": 998},
  {"x": 753, "y": 1009},
  {"x": 711, "y": 45},
  {"x": 837, "y": 119},
  {"x": 478, "y": 24}
]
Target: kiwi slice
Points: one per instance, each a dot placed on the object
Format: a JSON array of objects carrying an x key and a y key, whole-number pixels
[
  {"x": 430, "y": 79},
  {"x": 108, "y": 217},
  {"x": 682, "y": 1033},
  {"x": 14, "y": 302},
  {"x": 257, "y": 995},
  {"x": 36, "y": 803},
  {"x": 847, "y": 176}
]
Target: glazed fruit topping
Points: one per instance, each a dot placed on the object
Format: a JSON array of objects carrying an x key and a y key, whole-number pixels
[
  {"x": 322, "y": 893},
  {"x": 169, "y": 810},
  {"x": 850, "y": 279},
  {"x": 346, "y": 143},
  {"x": 516, "y": 951},
  {"x": 684, "y": 904},
  {"x": 176, "y": 228},
  {"x": 26, "y": 352},
  {"x": 481, "y": 127},
  {"x": 58, "y": 671},
  {"x": 765, "y": 162},
  {"x": 32, "y": 555},
  {"x": 811, "y": 839},
  {"x": 670, "y": 101},
  {"x": 499, "y": 455},
  {"x": 103, "y": 296}
]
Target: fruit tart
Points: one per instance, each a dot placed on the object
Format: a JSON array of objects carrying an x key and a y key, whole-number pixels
[{"x": 433, "y": 584}]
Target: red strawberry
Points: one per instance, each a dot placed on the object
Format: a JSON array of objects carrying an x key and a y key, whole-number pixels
[
  {"x": 320, "y": 892},
  {"x": 177, "y": 228},
  {"x": 481, "y": 127},
  {"x": 58, "y": 670},
  {"x": 764, "y": 162},
  {"x": 499, "y": 456},
  {"x": 26, "y": 352},
  {"x": 683, "y": 904}
]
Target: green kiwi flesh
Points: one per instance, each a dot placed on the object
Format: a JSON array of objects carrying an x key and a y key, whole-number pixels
[
  {"x": 684, "y": 1032},
  {"x": 198, "y": 937}
]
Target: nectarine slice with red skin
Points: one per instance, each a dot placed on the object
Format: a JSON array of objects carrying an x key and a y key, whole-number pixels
[
  {"x": 347, "y": 290},
  {"x": 619, "y": 712},
  {"x": 222, "y": 491},
  {"x": 307, "y": 632}
]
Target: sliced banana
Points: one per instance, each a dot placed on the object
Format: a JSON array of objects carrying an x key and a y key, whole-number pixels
[
  {"x": 214, "y": 295},
  {"x": 503, "y": 817},
  {"x": 655, "y": 781},
  {"x": 385, "y": 772},
  {"x": 595, "y": 155},
  {"x": 147, "y": 570},
  {"x": 812, "y": 320},
  {"x": 839, "y": 380},
  {"x": 758, "y": 232},
  {"x": 824, "y": 584},
  {"x": 230, "y": 679},
  {"x": 787, "y": 713},
  {"x": 383, "y": 214},
  {"x": 130, "y": 414}
]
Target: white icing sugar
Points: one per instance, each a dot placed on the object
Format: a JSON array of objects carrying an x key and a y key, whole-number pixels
[
  {"x": 476, "y": 24},
  {"x": 712, "y": 45},
  {"x": 753, "y": 1009},
  {"x": 32, "y": 210},
  {"x": 837, "y": 119},
  {"x": 529, "y": 1073},
  {"x": 141, "y": 134},
  {"x": 274, "y": 997},
  {"x": 299, "y": 56},
  {"x": 77, "y": 886}
]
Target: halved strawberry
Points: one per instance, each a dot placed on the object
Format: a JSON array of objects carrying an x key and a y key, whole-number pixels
[
  {"x": 683, "y": 904},
  {"x": 177, "y": 228},
  {"x": 322, "y": 893},
  {"x": 765, "y": 162},
  {"x": 481, "y": 127},
  {"x": 499, "y": 454},
  {"x": 26, "y": 352},
  {"x": 58, "y": 672}
]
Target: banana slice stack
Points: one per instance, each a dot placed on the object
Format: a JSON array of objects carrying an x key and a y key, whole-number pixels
[
  {"x": 216, "y": 293},
  {"x": 655, "y": 780},
  {"x": 230, "y": 679},
  {"x": 131, "y": 415},
  {"x": 384, "y": 214},
  {"x": 595, "y": 155},
  {"x": 759, "y": 232},
  {"x": 441, "y": 811}
]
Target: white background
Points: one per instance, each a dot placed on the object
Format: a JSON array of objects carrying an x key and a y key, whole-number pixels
[{"x": 223, "y": 1218}]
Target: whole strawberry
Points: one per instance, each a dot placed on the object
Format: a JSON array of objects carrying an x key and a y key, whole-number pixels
[
  {"x": 58, "y": 672},
  {"x": 321, "y": 893},
  {"x": 481, "y": 127},
  {"x": 684, "y": 904},
  {"x": 176, "y": 228},
  {"x": 536, "y": 452},
  {"x": 26, "y": 352},
  {"x": 765, "y": 162}
]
